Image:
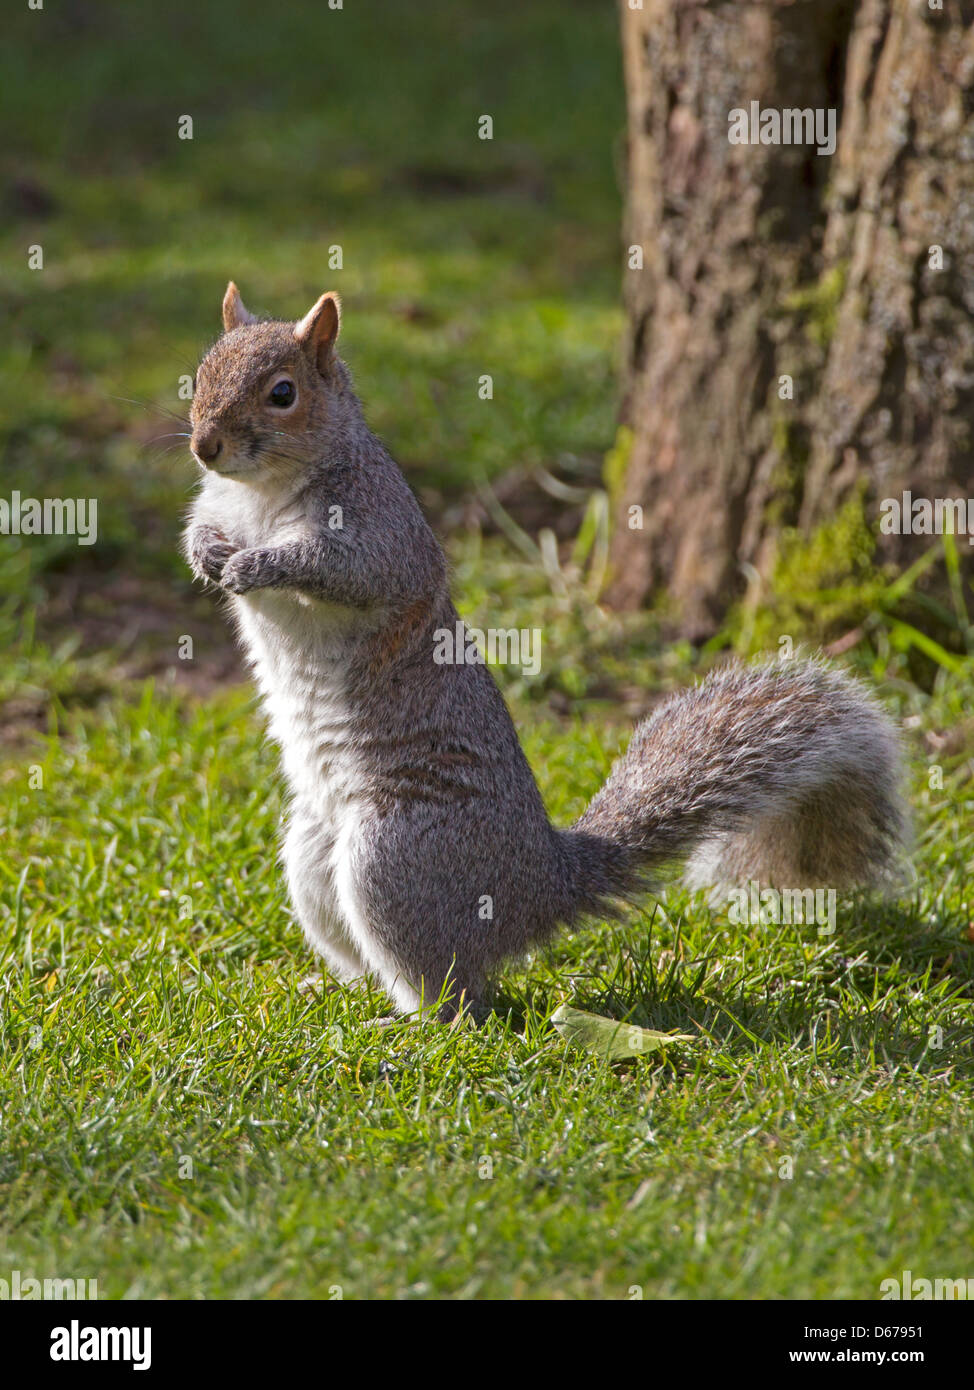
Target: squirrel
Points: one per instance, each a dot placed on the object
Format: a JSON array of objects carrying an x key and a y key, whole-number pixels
[{"x": 418, "y": 849}]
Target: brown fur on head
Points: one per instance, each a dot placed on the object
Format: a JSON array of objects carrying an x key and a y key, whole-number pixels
[{"x": 265, "y": 391}]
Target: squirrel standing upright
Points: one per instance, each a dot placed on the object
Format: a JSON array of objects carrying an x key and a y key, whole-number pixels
[{"x": 412, "y": 805}]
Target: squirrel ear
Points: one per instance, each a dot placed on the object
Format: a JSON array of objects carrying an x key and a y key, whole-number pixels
[
  {"x": 319, "y": 328},
  {"x": 234, "y": 312}
]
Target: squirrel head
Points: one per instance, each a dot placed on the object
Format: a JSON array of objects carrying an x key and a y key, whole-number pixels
[{"x": 267, "y": 394}]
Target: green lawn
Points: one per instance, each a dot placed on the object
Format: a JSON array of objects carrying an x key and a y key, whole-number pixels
[
  {"x": 156, "y": 1008},
  {"x": 185, "y": 1111}
]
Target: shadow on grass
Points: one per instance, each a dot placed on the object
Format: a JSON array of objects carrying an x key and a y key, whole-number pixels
[{"x": 882, "y": 992}]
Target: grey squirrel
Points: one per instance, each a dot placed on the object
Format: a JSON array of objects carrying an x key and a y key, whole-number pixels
[{"x": 418, "y": 849}]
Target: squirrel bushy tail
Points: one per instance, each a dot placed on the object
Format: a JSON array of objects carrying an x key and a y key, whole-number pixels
[{"x": 785, "y": 773}]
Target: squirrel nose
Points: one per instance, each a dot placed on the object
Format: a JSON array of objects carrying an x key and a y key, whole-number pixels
[{"x": 206, "y": 446}]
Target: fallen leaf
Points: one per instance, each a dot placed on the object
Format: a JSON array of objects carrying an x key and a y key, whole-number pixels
[{"x": 608, "y": 1038}]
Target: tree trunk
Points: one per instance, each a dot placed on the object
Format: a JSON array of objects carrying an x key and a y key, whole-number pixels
[{"x": 768, "y": 261}]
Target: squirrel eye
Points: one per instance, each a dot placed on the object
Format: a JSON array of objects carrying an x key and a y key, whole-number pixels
[{"x": 282, "y": 394}]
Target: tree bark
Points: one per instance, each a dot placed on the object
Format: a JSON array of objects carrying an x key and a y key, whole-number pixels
[{"x": 767, "y": 261}]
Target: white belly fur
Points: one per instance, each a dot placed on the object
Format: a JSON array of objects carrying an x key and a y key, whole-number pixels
[{"x": 299, "y": 649}]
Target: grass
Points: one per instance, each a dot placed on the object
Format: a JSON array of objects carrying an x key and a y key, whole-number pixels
[
  {"x": 185, "y": 1110},
  {"x": 460, "y": 257},
  {"x": 156, "y": 1009}
]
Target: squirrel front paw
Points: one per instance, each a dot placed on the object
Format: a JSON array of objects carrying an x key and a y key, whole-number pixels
[
  {"x": 246, "y": 570},
  {"x": 209, "y": 553}
]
